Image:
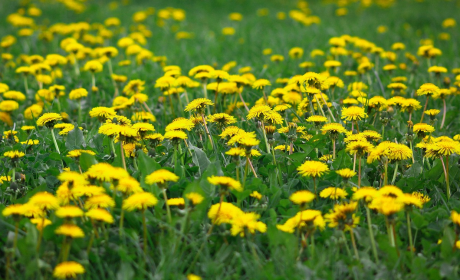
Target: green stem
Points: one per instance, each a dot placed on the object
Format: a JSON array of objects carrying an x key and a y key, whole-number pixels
[
  {"x": 371, "y": 234},
  {"x": 319, "y": 106},
  {"x": 90, "y": 244},
  {"x": 205, "y": 92},
  {"x": 345, "y": 242},
  {"x": 412, "y": 149},
  {"x": 54, "y": 140},
  {"x": 333, "y": 148},
  {"x": 383, "y": 132},
  {"x": 207, "y": 131},
  {"x": 394, "y": 174},
  {"x": 314, "y": 185},
  {"x": 15, "y": 241},
  {"x": 245, "y": 171},
  {"x": 40, "y": 235},
  {"x": 424, "y": 108},
  {"x": 180, "y": 105},
  {"x": 445, "y": 167},
  {"x": 93, "y": 81},
  {"x": 13, "y": 175},
  {"x": 312, "y": 245},
  {"x": 252, "y": 167},
  {"x": 385, "y": 177},
  {"x": 278, "y": 169},
  {"x": 67, "y": 246},
  {"x": 353, "y": 242},
  {"x": 144, "y": 224},
  {"x": 79, "y": 111},
  {"x": 253, "y": 250},
  {"x": 168, "y": 211},
  {"x": 447, "y": 178},
  {"x": 123, "y": 155},
  {"x": 175, "y": 156},
  {"x": 265, "y": 138},
  {"x": 391, "y": 235},
  {"x": 311, "y": 106},
  {"x": 122, "y": 218},
  {"x": 180, "y": 154},
  {"x": 76, "y": 66},
  {"x": 444, "y": 112},
  {"x": 112, "y": 146},
  {"x": 359, "y": 172},
  {"x": 26, "y": 86},
  {"x": 409, "y": 232}
]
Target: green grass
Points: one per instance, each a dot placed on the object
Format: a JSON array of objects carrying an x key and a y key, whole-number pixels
[{"x": 174, "y": 248}]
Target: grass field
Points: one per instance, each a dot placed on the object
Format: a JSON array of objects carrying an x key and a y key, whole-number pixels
[{"x": 229, "y": 139}]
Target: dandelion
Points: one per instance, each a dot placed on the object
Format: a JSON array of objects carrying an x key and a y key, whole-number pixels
[
  {"x": 443, "y": 150},
  {"x": 358, "y": 149},
  {"x": 226, "y": 183},
  {"x": 99, "y": 201},
  {"x": 160, "y": 177},
  {"x": 314, "y": 169},
  {"x": 333, "y": 193},
  {"x": 99, "y": 214},
  {"x": 49, "y": 120},
  {"x": 302, "y": 198},
  {"x": 195, "y": 198},
  {"x": 221, "y": 119},
  {"x": 422, "y": 129},
  {"x": 353, "y": 114},
  {"x": 247, "y": 223},
  {"x": 260, "y": 85},
  {"x": 102, "y": 113},
  {"x": 333, "y": 130},
  {"x": 427, "y": 89},
  {"x": 367, "y": 194},
  {"x": 346, "y": 174},
  {"x": 69, "y": 212},
  {"x": 14, "y": 157},
  {"x": 199, "y": 105},
  {"x": 223, "y": 213},
  {"x": 343, "y": 217},
  {"x": 17, "y": 211},
  {"x": 67, "y": 270},
  {"x": 70, "y": 232},
  {"x": 141, "y": 201}
]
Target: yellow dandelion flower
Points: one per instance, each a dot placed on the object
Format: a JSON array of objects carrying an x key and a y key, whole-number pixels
[
  {"x": 223, "y": 213},
  {"x": 70, "y": 230},
  {"x": 333, "y": 193},
  {"x": 226, "y": 182},
  {"x": 313, "y": 169},
  {"x": 139, "y": 201},
  {"x": 195, "y": 198},
  {"x": 161, "y": 176},
  {"x": 99, "y": 214},
  {"x": 67, "y": 270},
  {"x": 353, "y": 113}
]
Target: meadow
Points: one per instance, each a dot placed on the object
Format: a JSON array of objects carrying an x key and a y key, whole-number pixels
[{"x": 229, "y": 139}]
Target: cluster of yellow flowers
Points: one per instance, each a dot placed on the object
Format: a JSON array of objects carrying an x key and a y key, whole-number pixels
[{"x": 342, "y": 103}]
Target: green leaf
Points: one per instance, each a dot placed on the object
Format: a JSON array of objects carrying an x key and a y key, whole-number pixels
[
  {"x": 75, "y": 139},
  {"x": 447, "y": 243},
  {"x": 418, "y": 220},
  {"x": 199, "y": 158},
  {"x": 86, "y": 160},
  {"x": 436, "y": 171},
  {"x": 55, "y": 156},
  {"x": 414, "y": 171},
  {"x": 125, "y": 272},
  {"x": 146, "y": 164},
  {"x": 343, "y": 160}
]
